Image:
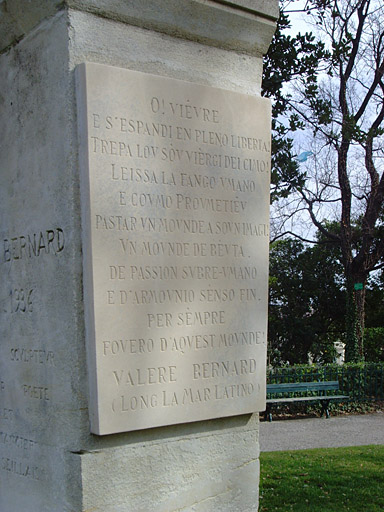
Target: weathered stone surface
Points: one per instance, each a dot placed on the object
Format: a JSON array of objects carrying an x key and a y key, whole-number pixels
[
  {"x": 221, "y": 24},
  {"x": 104, "y": 41},
  {"x": 42, "y": 398},
  {"x": 46, "y": 449},
  {"x": 192, "y": 470},
  {"x": 263, "y": 7},
  {"x": 18, "y": 17},
  {"x": 242, "y": 25}
]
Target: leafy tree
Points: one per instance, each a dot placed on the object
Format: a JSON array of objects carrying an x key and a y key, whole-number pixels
[
  {"x": 288, "y": 59},
  {"x": 374, "y": 323},
  {"x": 306, "y": 309},
  {"x": 344, "y": 181},
  {"x": 307, "y": 306},
  {"x": 374, "y": 344}
]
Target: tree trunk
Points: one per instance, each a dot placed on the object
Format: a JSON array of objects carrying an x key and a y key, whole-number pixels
[{"x": 355, "y": 319}]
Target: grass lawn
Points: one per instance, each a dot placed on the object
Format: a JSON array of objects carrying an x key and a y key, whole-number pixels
[{"x": 323, "y": 480}]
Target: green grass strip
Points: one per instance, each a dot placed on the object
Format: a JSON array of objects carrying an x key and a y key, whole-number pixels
[{"x": 323, "y": 480}]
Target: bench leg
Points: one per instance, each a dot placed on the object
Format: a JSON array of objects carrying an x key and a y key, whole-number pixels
[
  {"x": 324, "y": 408},
  {"x": 268, "y": 414}
]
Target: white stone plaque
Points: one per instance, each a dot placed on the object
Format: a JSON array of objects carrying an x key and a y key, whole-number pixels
[{"x": 175, "y": 193}]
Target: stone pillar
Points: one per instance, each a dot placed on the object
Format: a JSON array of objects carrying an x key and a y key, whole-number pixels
[{"x": 50, "y": 460}]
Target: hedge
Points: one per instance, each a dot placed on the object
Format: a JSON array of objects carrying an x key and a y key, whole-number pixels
[{"x": 360, "y": 381}]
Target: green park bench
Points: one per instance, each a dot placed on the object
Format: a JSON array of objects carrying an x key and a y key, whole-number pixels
[{"x": 291, "y": 392}]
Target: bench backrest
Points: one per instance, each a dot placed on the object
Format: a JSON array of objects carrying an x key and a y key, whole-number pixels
[{"x": 303, "y": 387}]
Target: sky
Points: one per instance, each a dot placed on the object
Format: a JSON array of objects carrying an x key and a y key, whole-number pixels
[
  {"x": 299, "y": 23},
  {"x": 323, "y": 164}
]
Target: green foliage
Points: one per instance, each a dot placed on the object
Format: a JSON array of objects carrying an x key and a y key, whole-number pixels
[
  {"x": 375, "y": 303},
  {"x": 289, "y": 58},
  {"x": 351, "y": 316},
  {"x": 326, "y": 479},
  {"x": 306, "y": 311},
  {"x": 374, "y": 344},
  {"x": 345, "y": 116},
  {"x": 303, "y": 410},
  {"x": 360, "y": 381}
]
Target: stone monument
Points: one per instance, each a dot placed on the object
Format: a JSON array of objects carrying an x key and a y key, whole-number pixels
[{"x": 135, "y": 166}]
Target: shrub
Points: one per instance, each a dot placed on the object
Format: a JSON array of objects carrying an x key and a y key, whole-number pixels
[{"x": 360, "y": 381}]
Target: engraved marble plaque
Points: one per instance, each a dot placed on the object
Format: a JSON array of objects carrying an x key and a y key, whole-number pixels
[{"x": 175, "y": 195}]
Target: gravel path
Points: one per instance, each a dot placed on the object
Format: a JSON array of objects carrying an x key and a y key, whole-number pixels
[{"x": 352, "y": 430}]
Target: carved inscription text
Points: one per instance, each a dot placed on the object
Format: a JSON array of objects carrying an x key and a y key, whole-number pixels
[{"x": 175, "y": 198}]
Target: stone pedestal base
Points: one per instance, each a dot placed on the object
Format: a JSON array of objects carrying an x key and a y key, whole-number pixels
[{"x": 49, "y": 460}]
